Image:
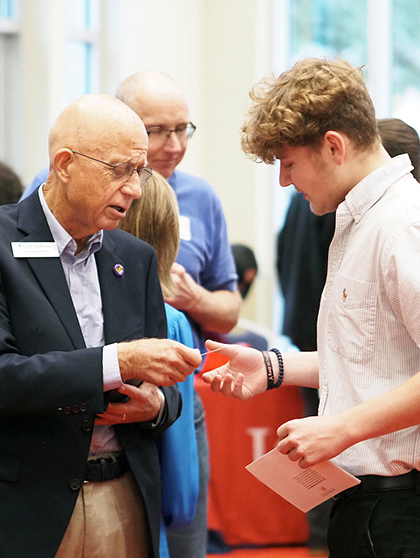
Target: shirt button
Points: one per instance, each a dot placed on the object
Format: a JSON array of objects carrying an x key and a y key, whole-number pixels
[
  {"x": 75, "y": 409},
  {"x": 87, "y": 425},
  {"x": 84, "y": 407},
  {"x": 67, "y": 410},
  {"x": 60, "y": 411},
  {"x": 74, "y": 484}
]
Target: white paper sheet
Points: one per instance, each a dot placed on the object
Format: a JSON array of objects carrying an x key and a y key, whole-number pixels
[{"x": 304, "y": 488}]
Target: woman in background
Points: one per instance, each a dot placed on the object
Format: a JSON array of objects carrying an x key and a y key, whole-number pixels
[{"x": 154, "y": 218}]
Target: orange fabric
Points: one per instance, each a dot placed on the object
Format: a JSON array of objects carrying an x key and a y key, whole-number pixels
[
  {"x": 274, "y": 552},
  {"x": 240, "y": 507}
]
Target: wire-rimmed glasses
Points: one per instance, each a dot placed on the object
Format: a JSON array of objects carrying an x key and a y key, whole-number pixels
[{"x": 122, "y": 170}]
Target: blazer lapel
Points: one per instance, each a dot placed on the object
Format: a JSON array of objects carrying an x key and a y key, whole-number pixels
[
  {"x": 49, "y": 271},
  {"x": 114, "y": 291}
]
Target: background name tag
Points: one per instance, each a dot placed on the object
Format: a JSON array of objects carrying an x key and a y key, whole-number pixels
[
  {"x": 35, "y": 250},
  {"x": 184, "y": 227}
]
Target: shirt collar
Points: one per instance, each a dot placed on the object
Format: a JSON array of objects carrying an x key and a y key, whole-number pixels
[
  {"x": 62, "y": 237},
  {"x": 369, "y": 190}
]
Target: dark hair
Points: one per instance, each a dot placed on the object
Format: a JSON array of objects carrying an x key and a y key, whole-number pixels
[
  {"x": 244, "y": 260},
  {"x": 11, "y": 187},
  {"x": 398, "y": 138}
]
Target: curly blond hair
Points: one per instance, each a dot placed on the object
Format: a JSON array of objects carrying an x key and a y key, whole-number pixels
[
  {"x": 305, "y": 102},
  {"x": 154, "y": 218}
]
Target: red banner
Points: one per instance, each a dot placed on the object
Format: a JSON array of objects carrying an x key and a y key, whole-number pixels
[{"x": 242, "y": 509}]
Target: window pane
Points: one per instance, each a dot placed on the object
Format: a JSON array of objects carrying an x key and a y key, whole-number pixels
[
  {"x": 3, "y": 113},
  {"x": 7, "y": 8},
  {"x": 406, "y": 61},
  {"x": 82, "y": 65},
  {"x": 82, "y": 14},
  {"x": 81, "y": 69},
  {"x": 9, "y": 98},
  {"x": 328, "y": 28},
  {"x": 92, "y": 14}
]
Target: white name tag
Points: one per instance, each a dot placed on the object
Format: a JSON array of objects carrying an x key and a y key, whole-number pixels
[
  {"x": 184, "y": 227},
  {"x": 35, "y": 250}
]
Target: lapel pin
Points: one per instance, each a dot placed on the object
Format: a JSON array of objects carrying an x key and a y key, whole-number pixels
[{"x": 118, "y": 270}]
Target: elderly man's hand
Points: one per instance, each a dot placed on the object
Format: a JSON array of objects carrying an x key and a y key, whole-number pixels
[
  {"x": 161, "y": 362},
  {"x": 143, "y": 405}
]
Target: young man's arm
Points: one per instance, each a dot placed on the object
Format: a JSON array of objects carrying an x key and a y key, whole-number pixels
[
  {"x": 315, "y": 439},
  {"x": 245, "y": 375}
]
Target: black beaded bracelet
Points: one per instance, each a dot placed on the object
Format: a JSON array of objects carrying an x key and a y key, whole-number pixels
[
  {"x": 281, "y": 367},
  {"x": 269, "y": 369}
]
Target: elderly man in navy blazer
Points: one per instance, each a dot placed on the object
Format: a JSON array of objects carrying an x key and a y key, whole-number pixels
[{"x": 81, "y": 320}]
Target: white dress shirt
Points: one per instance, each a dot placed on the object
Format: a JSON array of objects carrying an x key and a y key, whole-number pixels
[
  {"x": 83, "y": 282},
  {"x": 369, "y": 319}
]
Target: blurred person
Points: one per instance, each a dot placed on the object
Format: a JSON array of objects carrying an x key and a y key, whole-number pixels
[
  {"x": 319, "y": 121},
  {"x": 204, "y": 246},
  {"x": 81, "y": 313},
  {"x": 154, "y": 218},
  {"x": 39, "y": 179},
  {"x": 11, "y": 187},
  {"x": 204, "y": 273},
  {"x": 246, "y": 267},
  {"x": 398, "y": 137}
]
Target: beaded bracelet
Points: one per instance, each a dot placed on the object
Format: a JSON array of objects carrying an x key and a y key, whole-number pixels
[
  {"x": 269, "y": 369},
  {"x": 281, "y": 367}
]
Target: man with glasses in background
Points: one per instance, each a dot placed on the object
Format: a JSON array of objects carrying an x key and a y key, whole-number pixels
[
  {"x": 81, "y": 313},
  {"x": 204, "y": 272}
]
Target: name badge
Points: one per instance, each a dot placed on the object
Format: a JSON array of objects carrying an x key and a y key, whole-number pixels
[
  {"x": 184, "y": 227},
  {"x": 35, "y": 250}
]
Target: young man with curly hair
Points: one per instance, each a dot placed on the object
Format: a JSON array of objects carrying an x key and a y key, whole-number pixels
[{"x": 319, "y": 121}]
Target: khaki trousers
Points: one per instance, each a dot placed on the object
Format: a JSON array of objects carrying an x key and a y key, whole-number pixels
[{"x": 108, "y": 521}]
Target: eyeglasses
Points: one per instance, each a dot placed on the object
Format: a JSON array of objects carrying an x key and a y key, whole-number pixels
[
  {"x": 183, "y": 132},
  {"x": 123, "y": 170}
]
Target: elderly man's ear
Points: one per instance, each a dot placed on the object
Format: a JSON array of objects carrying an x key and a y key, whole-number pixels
[{"x": 62, "y": 160}]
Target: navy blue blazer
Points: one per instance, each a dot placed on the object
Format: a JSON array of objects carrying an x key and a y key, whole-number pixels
[{"x": 51, "y": 385}]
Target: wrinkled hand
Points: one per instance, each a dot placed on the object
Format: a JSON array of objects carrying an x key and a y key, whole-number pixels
[
  {"x": 161, "y": 362},
  {"x": 312, "y": 440},
  {"x": 242, "y": 377},
  {"x": 143, "y": 405},
  {"x": 186, "y": 289}
]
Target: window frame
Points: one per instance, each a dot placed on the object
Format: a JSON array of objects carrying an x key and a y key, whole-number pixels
[{"x": 10, "y": 117}]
